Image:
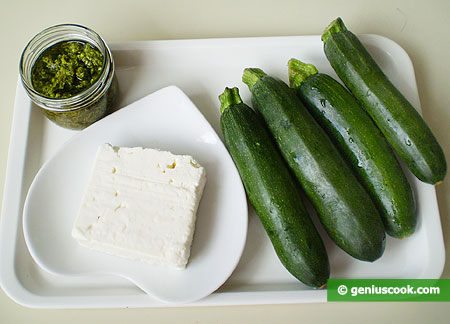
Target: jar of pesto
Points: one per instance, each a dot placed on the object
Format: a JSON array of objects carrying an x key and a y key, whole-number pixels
[{"x": 68, "y": 72}]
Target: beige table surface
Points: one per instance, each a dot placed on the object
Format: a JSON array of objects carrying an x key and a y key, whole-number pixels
[{"x": 421, "y": 27}]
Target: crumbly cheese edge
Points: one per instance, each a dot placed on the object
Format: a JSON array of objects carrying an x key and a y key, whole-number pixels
[{"x": 114, "y": 250}]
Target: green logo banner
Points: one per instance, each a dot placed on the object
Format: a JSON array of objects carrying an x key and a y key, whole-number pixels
[{"x": 383, "y": 290}]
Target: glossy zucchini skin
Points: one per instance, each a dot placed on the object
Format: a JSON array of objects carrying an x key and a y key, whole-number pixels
[
  {"x": 345, "y": 209},
  {"x": 397, "y": 119},
  {"x": 273, "y": 192},
  {"x": 363, "y": 146}
]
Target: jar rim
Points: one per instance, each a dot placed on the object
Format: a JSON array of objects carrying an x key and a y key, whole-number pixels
[{"x": 81, "y": 99}]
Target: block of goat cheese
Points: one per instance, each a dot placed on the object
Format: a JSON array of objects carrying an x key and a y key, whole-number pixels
[{"x": 141, "y": 203}]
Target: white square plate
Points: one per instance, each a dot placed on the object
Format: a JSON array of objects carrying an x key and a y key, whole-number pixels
[{"x": 202, "y": 69}]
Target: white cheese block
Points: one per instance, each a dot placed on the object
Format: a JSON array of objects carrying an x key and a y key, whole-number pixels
[{"x": 141, "y": 204}]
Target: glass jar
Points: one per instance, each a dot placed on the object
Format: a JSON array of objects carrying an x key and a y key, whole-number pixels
[{"x": 83, "y": 108}]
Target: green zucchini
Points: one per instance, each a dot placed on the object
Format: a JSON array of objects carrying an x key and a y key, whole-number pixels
[
  {"x": 273, "y": 192},
  {"x": 362, "y": 144},
  {"x": 344, "y": 208},
  {"x": 397, "y": 119}
]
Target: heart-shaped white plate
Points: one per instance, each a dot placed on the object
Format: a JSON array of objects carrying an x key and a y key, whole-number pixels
[{"x": 165, "y": 120}]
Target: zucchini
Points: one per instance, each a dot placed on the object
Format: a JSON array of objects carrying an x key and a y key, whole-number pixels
[
  {"x": 397, "y": 119},
  {"x": 344, "y": 208},
  {"x": 273, "y": 192},
  {"x": 362, "y": 144}
]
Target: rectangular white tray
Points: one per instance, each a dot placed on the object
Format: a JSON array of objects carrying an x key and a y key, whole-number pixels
[{"x": 202, "y": 69}]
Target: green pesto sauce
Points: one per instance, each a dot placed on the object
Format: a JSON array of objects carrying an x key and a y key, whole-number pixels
[{"x": 66, "y": 69}]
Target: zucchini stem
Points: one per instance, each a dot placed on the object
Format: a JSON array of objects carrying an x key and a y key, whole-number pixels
[
  {"x": 299, "y": 72},
  {"x": 251, "y": 76},
  {"x": 229, "y": 97},
  {"x": 336, "y": 26}
]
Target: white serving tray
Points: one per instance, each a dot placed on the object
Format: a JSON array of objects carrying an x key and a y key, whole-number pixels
[{"x": 202, "y": 69}]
